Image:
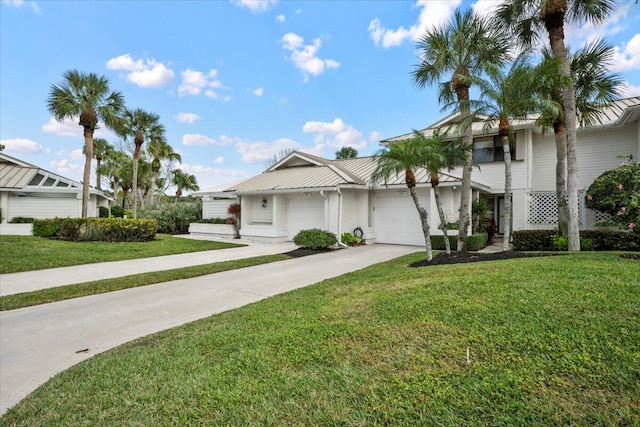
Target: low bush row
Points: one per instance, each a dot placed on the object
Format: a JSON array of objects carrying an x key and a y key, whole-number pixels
[
  {"x": 174, "y": 218},
  {"x": 315, "y": 238},
  {"x": 96, "y": 229},
  {"x": 590, "y": 240},
  {"x": 475, "y": 242}
]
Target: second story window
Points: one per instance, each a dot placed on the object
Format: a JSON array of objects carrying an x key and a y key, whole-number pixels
[{"x": 489, "y": 149}]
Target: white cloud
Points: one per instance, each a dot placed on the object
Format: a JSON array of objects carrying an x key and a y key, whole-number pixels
[
  {"x": 219, "y": 160},
  {"x": 336, "y": 134},
  {"x": 63, "y": 166},
  {"x": 255, "y": 5},
  {"x": 196, "y": 82},
  {"x": 208, "y": 177},
  {"x": 197, "y": 140},
  {"x": 19, "y": 3},
  {"x": 627, "y": 57},
  {"x": 187, "y": 117},
  {"x": 486, "y": 7},
  {"x": 304, "y": 57},
  {"x": 77, "y": 155},
  {"x": 148, "y": 73},
  {"x": 258, "y": 92},
  {"x": 629, "y": 90},
  {"x": 433, "y": 13},
  {"x": 260, "y": 152},
  {"x": 226, "y": 140},
  {"x": 22, "y": 146},
  {"x": 375, "y": 136},
  {"x": 70, "y": 127},
  {"x": 281, "y": 18}
]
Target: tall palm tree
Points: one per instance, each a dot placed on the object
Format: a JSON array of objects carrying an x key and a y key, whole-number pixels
[
  {"x": 88, "y": 96},
  {"x": 117, "y": 165},
  {"x": 184, "y": 181},
  {"x": 439, "y": 153},
  {"x": 101, "y": 149},
  {"x": 594, "y": 87},
  {"x": 506, "y": 95},
  {"x": 404, "y": 157},
  {"x": 140, "y": 126},
  {"x": 527, "y": 19},
  {"x": 159, "y": 150},
  {"x": 461, "y": 48}
]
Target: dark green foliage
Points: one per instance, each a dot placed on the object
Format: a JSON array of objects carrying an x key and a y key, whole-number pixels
[
  {"x": 617, "y": 192},
  {"x": 213, "y": 221},
  {"x": 174, "y": 218},
  {"x": 475, "y": 242},
  {"x": 104, "y": 212},
  {"x": 96, "y": 229},
  {"x": 21, "y": 220},
  {"x": 591, "y": 240},
  {"x": 561, "y": 243},
  {"x": 315, "y": 239},
  {"x": 117, "y": 211},
  {"x": 350, "y": 239}
]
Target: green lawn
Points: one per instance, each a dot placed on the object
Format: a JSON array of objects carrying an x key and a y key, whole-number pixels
[
  {"x": 25, "y": 253},
  {"x": 552, "y": 341}
]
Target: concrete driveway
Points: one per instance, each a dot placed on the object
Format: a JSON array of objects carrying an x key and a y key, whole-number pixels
[{"x": 38, "y": 342}]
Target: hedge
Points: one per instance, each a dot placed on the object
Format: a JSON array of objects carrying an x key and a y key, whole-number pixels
[
  {"x": 96, "y": 229},
  {"x": 475, "y": 242},
  {"x": 599, "y": 240},
  {"x": 315, "y": 238}
]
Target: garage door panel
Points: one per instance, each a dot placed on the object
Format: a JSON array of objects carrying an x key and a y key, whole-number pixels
[
  {"x": 304, "y": 213},
  {"x": 397, "y": 220}
]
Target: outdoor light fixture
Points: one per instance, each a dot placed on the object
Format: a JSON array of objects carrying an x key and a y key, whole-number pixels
[{"x": 264, "y": 202}]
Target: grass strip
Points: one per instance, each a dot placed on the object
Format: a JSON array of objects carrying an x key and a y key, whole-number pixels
[
  {"x": 550, "y": 340},
  {"x": 26, "y": 253},
  {"x": 27, "y": 299}
]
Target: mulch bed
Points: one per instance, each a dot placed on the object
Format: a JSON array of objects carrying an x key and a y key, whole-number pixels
[
  {"x": 300, "y": 252},
  {"x": 462, "y": 257}
]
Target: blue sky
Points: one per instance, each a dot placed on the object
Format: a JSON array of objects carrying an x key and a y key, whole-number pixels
[{"x": 235, "y": 82}]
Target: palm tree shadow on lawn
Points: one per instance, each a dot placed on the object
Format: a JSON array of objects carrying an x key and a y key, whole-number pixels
[{"x": 463, "y": 257}]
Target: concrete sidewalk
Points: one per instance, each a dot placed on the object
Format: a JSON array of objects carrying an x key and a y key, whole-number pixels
[
  {"x": 38, "y": 342},
  {"x": 14, "y": 283}
]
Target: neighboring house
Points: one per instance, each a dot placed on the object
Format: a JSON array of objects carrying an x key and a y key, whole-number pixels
[
  {"x": 29, "y": 191},
  {"x": 304, "y": 191}
]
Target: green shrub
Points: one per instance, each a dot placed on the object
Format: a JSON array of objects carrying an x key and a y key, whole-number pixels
[
  {"x": 437, "y": 242},
  {"x": 128, "y": 213},
  {"x": 350, "y": 239},
  {"x": 533, "y": 240},
  {"x": 117, "y": 211},
  {"x": 94, "y": 229},
  {"x": 103, "y": 212},
  {"x": 475, "y": 242},
  {"x": 174, "y": 218},
  {"x": 603, "y": 240},
  {"x": 315, "y": 239},
  {"x": 586, "y": 244},
  {"x": 214, "y": 221},
  {"x": 560, "y": 243},
  {"x": 21, "y": 220}
]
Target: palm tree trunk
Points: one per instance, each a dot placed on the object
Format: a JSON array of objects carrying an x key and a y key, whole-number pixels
[
  {"x": 560, "y": 132},
  {"x": 424, "y": 220},
  {"x": 116, "y": 184},
  {"x": 465, "y": 190},
  {"x": 443, "y": 221},
  {"x": 86, "y": 176},
  {"x": 134, "y": 186},
  {"x": 553, "y": 16},
  {"x": 152, "y": 191},
  {"x": 506, "y": 149},
  {"x": 98, "y": 176}
]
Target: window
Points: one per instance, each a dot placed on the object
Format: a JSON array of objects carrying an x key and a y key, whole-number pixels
[{"x": 489, "y": 149}]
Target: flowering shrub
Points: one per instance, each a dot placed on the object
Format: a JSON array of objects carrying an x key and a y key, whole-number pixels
[{"x": 617, "y": 192}]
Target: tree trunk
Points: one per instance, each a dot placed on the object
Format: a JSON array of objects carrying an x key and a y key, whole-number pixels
[
  {"x": 560, "y": 132},
  {"x": 443, "y": 221},
  {"x": 134, "y": 185},
  {"x": 152, "y": 191},
  {"x": 116, "y": 184},
  {"x": 424, "y": 220},
  {"x": 465, "y": 190},
  {"x": 86, "y": 176},
  {"x": 507, "y": 191},
  {"x": 553, "y": 15},
  {"x": 98, "y": 176}
]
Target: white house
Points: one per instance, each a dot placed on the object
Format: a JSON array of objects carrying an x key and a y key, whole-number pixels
[
  {"x": 304, "y": 191},
  {"x": 29, "y": 191}
]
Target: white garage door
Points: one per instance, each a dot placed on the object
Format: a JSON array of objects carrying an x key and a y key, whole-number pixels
[
  {"x": 304, "y": 213},
  {"x": 397, "y": 220}
]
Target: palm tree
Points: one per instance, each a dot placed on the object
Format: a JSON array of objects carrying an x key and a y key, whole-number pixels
[
  {"x": 346, "y": 153},
  {"x": 439, "y": 153},
  {"x": 404, "y": 157},
  {"x": 140, "y": 126},
  {"x": 160, "y": 150},
  {"x": 88, "y": 96},
  {"x": 462, "y": 48},
  {"x": 118, "y": 167},
  {"x": 594, "y": 87},
  {"x": 506, "y": 95},
  {"x": 184, "y": 181},
  {"x": 101, "y": 149},
  {"x": 527, "y": 19}
]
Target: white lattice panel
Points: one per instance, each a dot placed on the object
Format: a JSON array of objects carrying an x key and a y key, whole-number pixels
[{"x": 543, "y": 208}]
